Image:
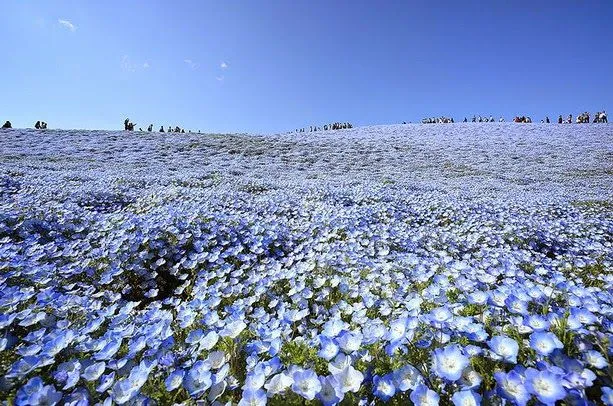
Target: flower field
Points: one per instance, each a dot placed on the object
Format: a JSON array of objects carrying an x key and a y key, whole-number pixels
[{"x": 452, "y": 264}]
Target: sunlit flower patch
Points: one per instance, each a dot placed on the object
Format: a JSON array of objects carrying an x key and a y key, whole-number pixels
[{"x": 284, "y": 270}]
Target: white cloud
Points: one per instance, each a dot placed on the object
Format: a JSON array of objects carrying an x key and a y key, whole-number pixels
[
  {"x": 223, "y": 65},
  {"x": 127, "y": 65},
  {"x": 67, "y": 24},
  {"x": 220, "y": 78},
  {"x": 191, "y": 63},
  {"x": 146, "y": 65}
]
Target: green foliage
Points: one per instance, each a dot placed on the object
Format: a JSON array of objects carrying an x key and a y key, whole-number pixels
[
  {"x": 590, "y": 275},
  {"x": 453, "y": 295},
  {"x": 301, "y": 354},
  {"x": 472, "y": 309},
  {"x": 486, "y": 368}
]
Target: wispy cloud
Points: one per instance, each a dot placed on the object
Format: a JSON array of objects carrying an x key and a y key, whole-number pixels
[
  {"x": 191, "y": 63},
  {"x": 127, "y": 65},
  {"x": 220, "y": 78},
  {"x": 146, "y": 65},
  {"x": 223, "y": 65},
  {"x": 67, "y": 24}
]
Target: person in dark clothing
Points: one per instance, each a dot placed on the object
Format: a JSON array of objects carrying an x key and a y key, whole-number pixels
[
  {"x": 43, "y": 125},
  {"x": 150, "y": 128},
  {"x": 126, "y": 122},
  {"x": 169, "y": 129},
  {"x": 182, "y": 131},
  {"x": 560, "y": 120},
  {"x": 37, "y": 125},
  {"x": 547, "y": 120},
  {"x": 7, "y": 125},
  {"x": 161, "y": 128}
]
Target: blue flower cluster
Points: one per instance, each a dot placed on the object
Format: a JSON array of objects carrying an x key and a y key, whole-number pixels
[{"x": 240, "y": 269}]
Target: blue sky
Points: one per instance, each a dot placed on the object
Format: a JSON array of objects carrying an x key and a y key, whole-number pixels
[{"x": 267, "y": 66}]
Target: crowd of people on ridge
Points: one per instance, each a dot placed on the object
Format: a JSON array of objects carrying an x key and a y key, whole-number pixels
[
  {"x": 583, "y": 118},
  {"x": 325, "y": 127},
  {"x": 129, "y": 126}
]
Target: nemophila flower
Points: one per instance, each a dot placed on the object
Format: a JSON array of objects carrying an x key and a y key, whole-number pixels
[
  {"x": 607, "y": 396},
  {"x": 407, "y": 378},
  {"x": 253, "y": 398},
  {"x": 383, "y": 387},
  {"x": 306, "y": 383},
  {"x": 536, "y": 322},
  {"x": 595, "y": 359},
  {"x": 579, "y": 317},
  {"x": 470, "y": 379},
  {"x": 330, "y": 393},
  {"x": 516, "y": 305},
  {"x": 174, "y": 380},
  {"x": 439, "y": 315},
  {"x": 511, "y": 386},
  {"x": 449, "y": 362},
  {"x": 340, "y": 362},
  {"x": 544, "y": 342},
  {"x": 94, "y": 371},
  {"x": 278, "y": 384},
  {"x": 79, "y": 397},
  {"x": 349, "y": 379},
  {"x": 423, "y": 396},
  {"x": 328, "y": 348},
  {"x": 466, "y": 398},
  {"x": 349, "y": 341},
  {"x": 546, "y": 386},
  {"x": 197, "y": 379},
  {"x": 233, "y": 329},
  {"x": 255, "y": 379},
  {"x": 478, "y": 297},
  {"x": 105, "y": 382},
  {"x": 504, "y": 348}
]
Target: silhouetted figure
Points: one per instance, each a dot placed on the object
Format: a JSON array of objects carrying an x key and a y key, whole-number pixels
[
  {"x": 547, "y": 120},
  {"x": 560, "y": 119},
  {"x": 150, "y": 128},
  {"x": 182, "y": 131},
  {"x": 169, "y": 129},
  {"x": 37, "y": 125},
  {"x": 570, "y": 119},
  {"x": 126, "y": 123},
  {"x": 43, "y": 125},
  {"x": 161, "y": 128},
  {"x": 7, "y": 125}
]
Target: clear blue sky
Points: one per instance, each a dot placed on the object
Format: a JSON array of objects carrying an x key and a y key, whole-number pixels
[{"x": 286, "y": 64}]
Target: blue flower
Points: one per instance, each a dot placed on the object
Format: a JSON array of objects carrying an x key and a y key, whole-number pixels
[
  {"x": 36, "y": 393},
  {"x": 328, "y": 349},
  {"x": 174, "y": 380},
  {"x": 607, "y": 396},
  {"x": 510, "y": 386},
  {"x": 449, "y": 362},
  {"x": 544, "y": 342},
  {"x": 407, "y": 378},
  {"x": 306, "y": 384},
  {"x": 384, "y": 387},
  {"x": 253, "y": 398},
  {"x": 198, "y": 379},
  {"x": 546, "y": 386},
  {"x": 505, "y": 348},
  {"x": 330, "y": 393},
  {"x": 423, "y": 396},
  {"x": 466, "y": 398},
  {"x": 349, "y": 379},
  {"x": 595, "y": 359}
]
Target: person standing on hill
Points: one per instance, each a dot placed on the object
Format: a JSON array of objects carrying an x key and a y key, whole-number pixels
[
  {"x": 37, "y": 125},
  {"x": 547, "y": 119},
  {"x": 7, "y": 125}
]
